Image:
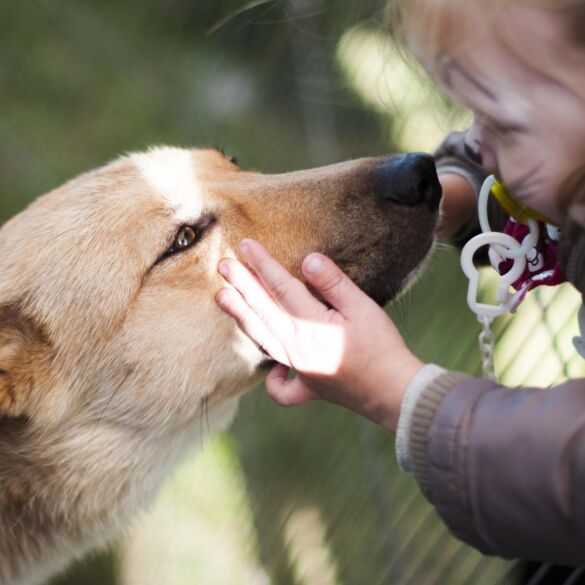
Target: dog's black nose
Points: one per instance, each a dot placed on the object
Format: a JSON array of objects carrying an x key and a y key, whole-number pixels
[{"x": 410, "y": 179}]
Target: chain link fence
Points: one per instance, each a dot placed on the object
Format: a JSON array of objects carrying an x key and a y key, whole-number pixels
[{"x": 310, "y": 496}]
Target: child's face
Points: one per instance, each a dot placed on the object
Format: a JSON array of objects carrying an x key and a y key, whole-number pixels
[{"x": 529, "y": 128}]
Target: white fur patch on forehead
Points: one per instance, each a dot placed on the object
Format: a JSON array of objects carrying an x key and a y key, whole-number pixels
[{"x": 171, "y": 173}]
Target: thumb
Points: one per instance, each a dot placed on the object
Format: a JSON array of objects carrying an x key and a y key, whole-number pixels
[
  {"x": 287, "y": 392},
  {"x": 331, "y": 283}
]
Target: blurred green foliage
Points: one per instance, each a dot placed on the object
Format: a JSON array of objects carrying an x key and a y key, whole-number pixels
[{"x": 83, "y": 81}]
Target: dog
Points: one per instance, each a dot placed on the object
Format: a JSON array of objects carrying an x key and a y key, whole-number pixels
[{"x": 113, "y": 352}]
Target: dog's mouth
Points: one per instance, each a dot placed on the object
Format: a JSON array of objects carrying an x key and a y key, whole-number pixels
[
  {"x": 267, "y": 363},
  {"x": 382, "y": 295}
]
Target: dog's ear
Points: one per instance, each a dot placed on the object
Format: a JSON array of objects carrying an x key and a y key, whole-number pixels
[{"x": 20, "y": 339}]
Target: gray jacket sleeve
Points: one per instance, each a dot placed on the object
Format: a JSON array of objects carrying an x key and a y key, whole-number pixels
[
  {"x": 455, "y": 156},
  {"x": 505, "y": 467}
]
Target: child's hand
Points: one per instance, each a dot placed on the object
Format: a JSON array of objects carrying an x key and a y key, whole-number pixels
[
  {"x": 458, "y": 206},
  {"x": 351, "y": 354}
]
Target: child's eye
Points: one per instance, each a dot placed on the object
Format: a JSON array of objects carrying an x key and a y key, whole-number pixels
[{"x": 502, "y": 128}]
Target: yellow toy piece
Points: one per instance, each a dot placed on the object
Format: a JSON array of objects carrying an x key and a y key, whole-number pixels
[{"x": 521, "y": 213}]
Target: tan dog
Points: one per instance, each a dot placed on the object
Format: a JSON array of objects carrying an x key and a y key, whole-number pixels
[{"x": 114, "y": 357}]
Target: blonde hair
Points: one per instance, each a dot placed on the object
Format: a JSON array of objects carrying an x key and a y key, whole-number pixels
[
  {"x": 432, "y": 28},
  {"x": 435, "y": 28}
]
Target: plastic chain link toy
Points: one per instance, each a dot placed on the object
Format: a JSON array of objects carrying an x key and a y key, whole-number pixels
[{"x": 524, "y": 255}]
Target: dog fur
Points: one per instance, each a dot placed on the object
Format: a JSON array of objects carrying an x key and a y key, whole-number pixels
[{"x": 113, "y": 353}]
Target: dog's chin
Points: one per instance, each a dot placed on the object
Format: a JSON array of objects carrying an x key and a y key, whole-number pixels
[
  {"x": 383, "y": 291},
  {"x": 380, "y": 291},
  {"x": 387, "y": 287}
]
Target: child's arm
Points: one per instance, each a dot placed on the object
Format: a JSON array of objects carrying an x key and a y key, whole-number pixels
[{"x": 505, "y": 468}]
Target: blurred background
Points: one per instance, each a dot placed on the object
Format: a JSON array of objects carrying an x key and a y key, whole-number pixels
[{"x": 310, "y": 496}]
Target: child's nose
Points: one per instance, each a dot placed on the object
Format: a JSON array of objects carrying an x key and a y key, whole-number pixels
[
  {"x": 411, "y": 179},
  {"x": 479, "y": 146}
]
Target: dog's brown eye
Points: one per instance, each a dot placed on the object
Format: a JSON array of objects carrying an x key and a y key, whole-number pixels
[{"x": 186, "y": 237}]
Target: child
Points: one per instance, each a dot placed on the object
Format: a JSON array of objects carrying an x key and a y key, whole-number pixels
[{"x": 504, "y": 467}]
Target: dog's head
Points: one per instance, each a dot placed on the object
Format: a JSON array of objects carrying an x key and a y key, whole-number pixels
[{"x": 107, "y": 283}]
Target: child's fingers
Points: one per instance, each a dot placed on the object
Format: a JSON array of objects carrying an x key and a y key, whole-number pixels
[
  {"x": 334, "y": 286},
  {"x": 230, "y": 301},
  {"x": 257, "y": 298},
  {"x": 287, "y": 392},
  {"x": 289, "y": 292}
]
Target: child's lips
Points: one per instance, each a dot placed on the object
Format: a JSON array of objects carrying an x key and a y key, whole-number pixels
[
  {"x": 523, "y": 194},
  {"x": 526, "y": 185}
]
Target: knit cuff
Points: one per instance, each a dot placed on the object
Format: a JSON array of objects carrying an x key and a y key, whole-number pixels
[
  {"x": 426, "y": 406},
  {"x": 451, "y": 167},
  {"x": 419, "y": 383}
]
